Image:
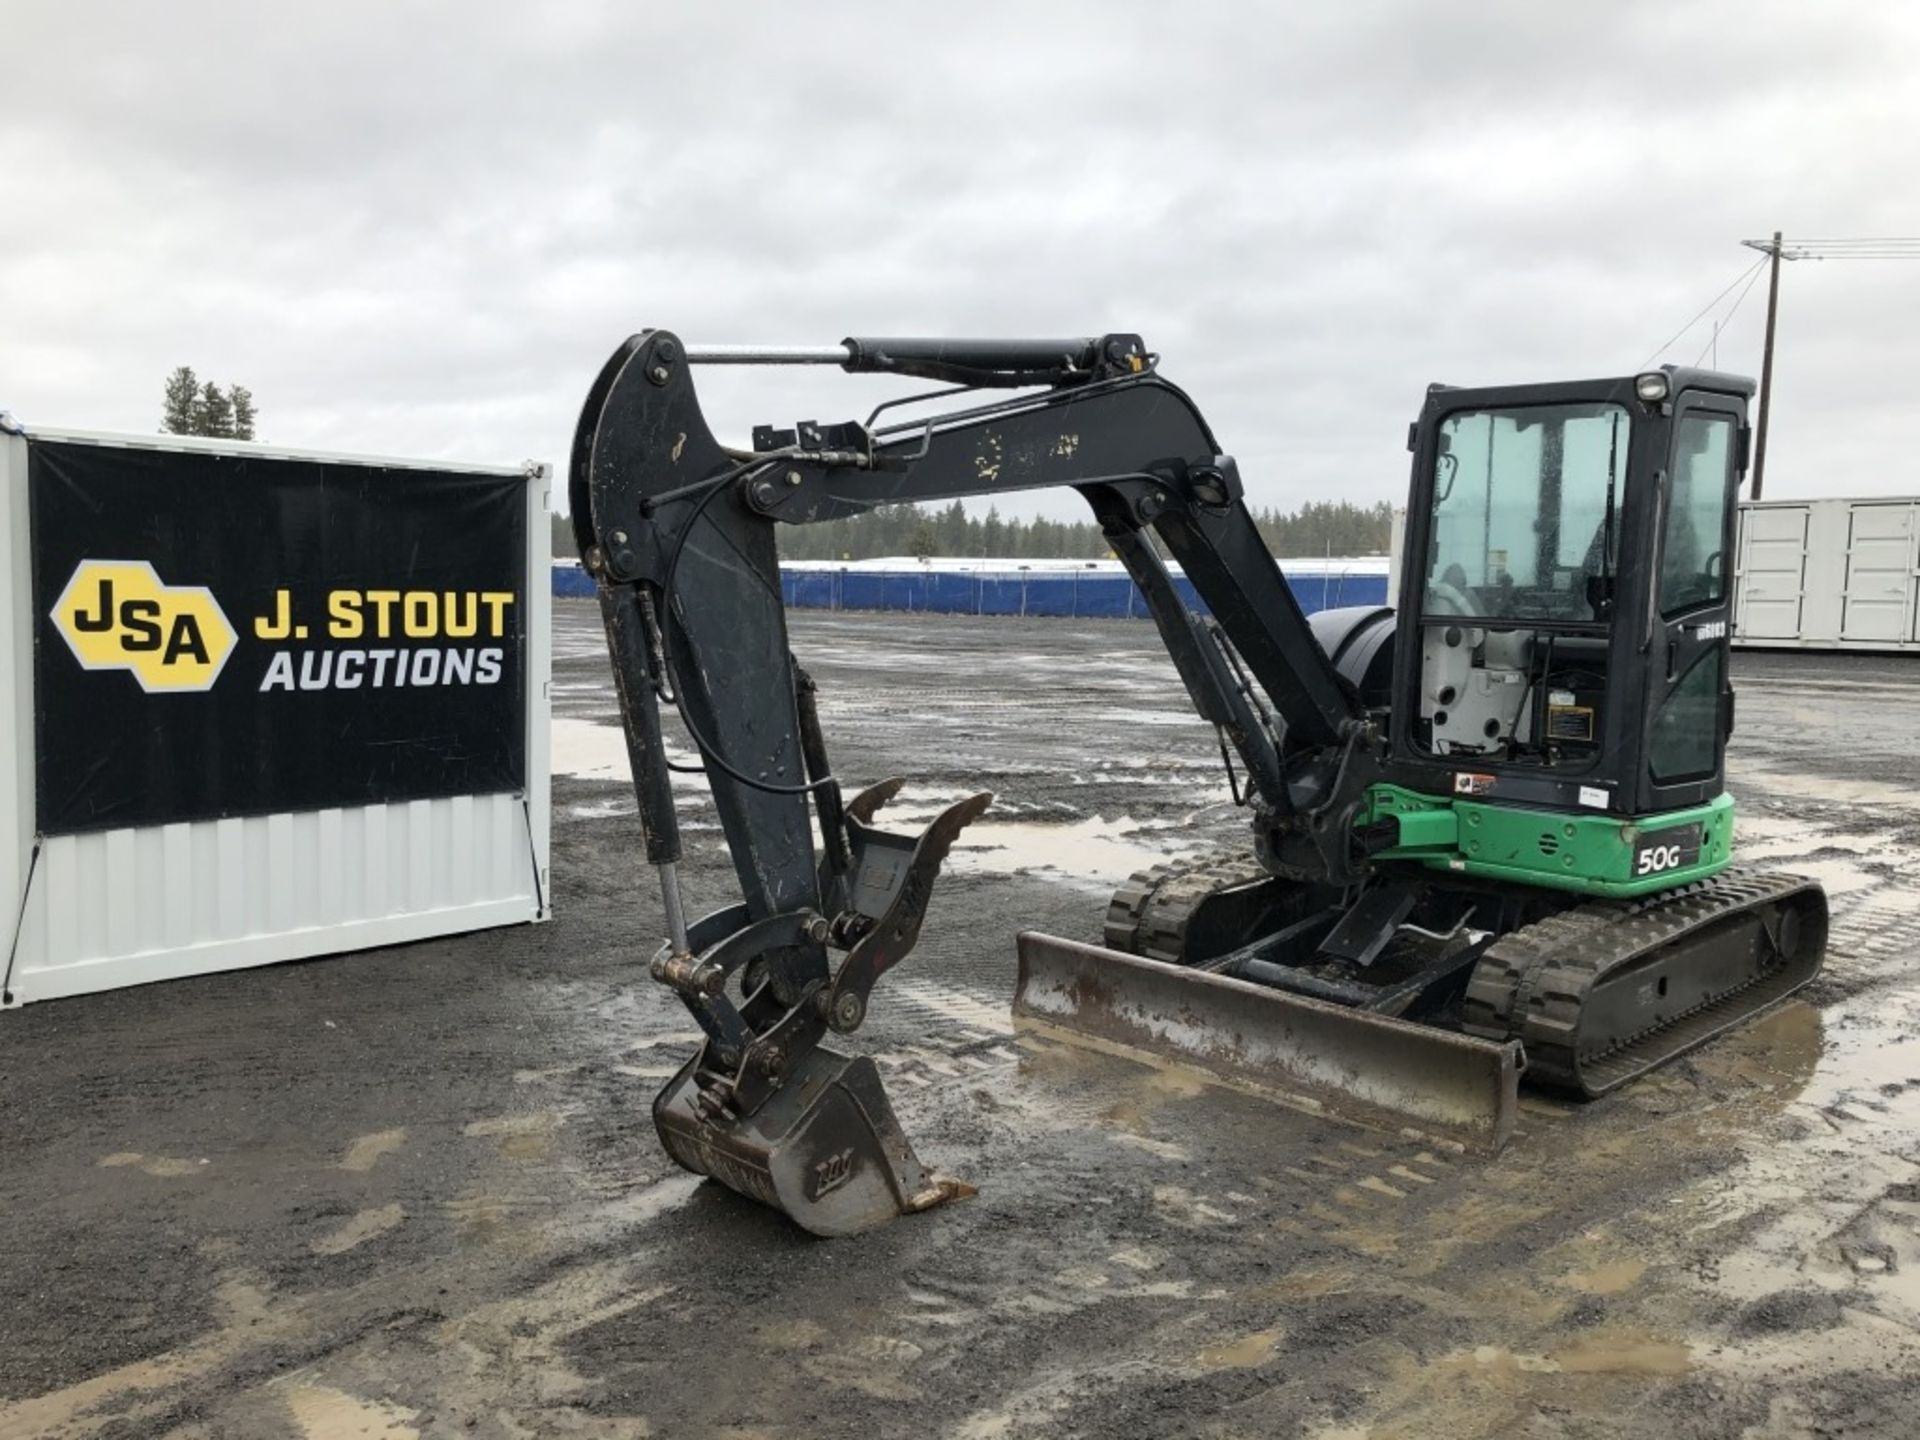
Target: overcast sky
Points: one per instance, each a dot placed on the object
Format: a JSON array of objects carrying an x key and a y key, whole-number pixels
[{"x": 420, "y": 229}]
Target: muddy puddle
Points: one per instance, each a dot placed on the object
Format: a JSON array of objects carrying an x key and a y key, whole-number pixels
[
  {"x": 1812, "y": 785},
  {"x": 1829, "y": 1201},
  {"x": 1094, "y": 849},
  {"x": 590, "y": 750},
  {"x": 1095, "y": 852}
]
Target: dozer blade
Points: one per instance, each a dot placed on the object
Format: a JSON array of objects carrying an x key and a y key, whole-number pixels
[
  {"x": 825, "y": 1150},
  {"x": 1323, "y": 1058}
]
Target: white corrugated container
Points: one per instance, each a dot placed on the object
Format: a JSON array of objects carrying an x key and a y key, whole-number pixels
[
  {"x": 110, "y": 908},
  {"x": 1840, "y": 574}
]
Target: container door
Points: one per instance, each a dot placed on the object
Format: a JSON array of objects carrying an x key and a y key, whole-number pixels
[
  {"x": 1879, "y": 596},
  {"x": 1773, "y": 572}
]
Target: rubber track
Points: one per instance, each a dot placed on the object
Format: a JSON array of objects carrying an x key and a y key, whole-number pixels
[
  {"x": 1533, "y": 984},
  {"x": 1149, "y": 915}
]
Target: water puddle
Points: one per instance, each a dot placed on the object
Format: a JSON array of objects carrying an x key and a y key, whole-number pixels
[
  {"x": 362, "y": 1227},
  {"x": 1625, "y": 1354},
  {"x": 1812, "y": 785},
  {"x": 165, "y": 1167},
  {"x": 365, "y": 1151},
  {"x": 588, "y": 750},
  {"x": 1767, "y": 838},
  {"x": 323, "y": 1414},
  {"x": 602, "y": 809},
  {"x": 1153, "y": 719},
  {"x": 1836, "y": 877},
  {"x": 1241, "y": 1354},
  {"x": 1091, "y": 849},
  {"x": 1828, "y": 1201},
  {"x": 1609, "y": 1279}
]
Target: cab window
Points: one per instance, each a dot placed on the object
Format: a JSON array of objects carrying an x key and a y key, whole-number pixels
[
  {"x": 1692, "y": 568},
  {"x": 1526, "y": 512}
]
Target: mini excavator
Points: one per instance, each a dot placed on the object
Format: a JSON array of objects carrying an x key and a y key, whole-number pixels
[{"x": 1489, "y": 829}]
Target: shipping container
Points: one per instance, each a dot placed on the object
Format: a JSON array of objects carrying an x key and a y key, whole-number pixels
[
  {"x": 265, "y": 704},
  {"x": 1839, "y": 574}
]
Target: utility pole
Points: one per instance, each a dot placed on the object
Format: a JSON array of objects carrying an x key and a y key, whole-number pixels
[
  {"x": 1885, "y": 247},
  {"x": 1766, "y": 366}
]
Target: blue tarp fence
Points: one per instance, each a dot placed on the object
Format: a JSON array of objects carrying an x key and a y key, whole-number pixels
[
  {"x": 1073, "y": 594},
  {"x": 571, "y": 582}
]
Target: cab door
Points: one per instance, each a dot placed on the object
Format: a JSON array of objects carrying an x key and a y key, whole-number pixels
[{"x": 1689, "y": 691}]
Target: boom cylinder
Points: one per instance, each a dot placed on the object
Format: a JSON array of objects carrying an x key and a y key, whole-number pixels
[{"x": 989, "y": 363}]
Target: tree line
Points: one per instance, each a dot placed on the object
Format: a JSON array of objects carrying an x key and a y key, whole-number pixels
[
  {"x": 1317, "y": 528},
  {"x": 195, "y": 408}
]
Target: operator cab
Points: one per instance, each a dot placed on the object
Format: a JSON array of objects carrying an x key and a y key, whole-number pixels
[{"x": 1566, "y": 587}]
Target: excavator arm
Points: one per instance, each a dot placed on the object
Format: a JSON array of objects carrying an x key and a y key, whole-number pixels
[{"x": 678, "y": 533}]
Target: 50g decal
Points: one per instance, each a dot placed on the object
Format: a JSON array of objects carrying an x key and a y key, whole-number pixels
[{"x": 1675, "y": 848}]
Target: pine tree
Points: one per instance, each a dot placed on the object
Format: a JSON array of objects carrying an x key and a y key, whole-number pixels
[
  {"x": 214, "y": 415},
  {"x": 183, "y": 394},
  {"x": 952, "y": 530},
  {"x": 191, "y": 408},
  {"x": 921, "y": 543},
  {"x": 243, "y": 412}
]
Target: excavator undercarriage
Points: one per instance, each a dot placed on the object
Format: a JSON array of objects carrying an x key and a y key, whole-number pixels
[
  {"x": 1489, "y": 830},
  {"x": 1596, "y": 991}
]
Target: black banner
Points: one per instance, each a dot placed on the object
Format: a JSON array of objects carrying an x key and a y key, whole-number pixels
[{"x": 231, "y": 635}]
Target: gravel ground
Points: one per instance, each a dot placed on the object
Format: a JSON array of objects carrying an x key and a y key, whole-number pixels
[{"x": 416, "y": 1191}]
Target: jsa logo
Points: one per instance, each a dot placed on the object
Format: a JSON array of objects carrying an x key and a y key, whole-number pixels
[{"x": 117, "y": 615}]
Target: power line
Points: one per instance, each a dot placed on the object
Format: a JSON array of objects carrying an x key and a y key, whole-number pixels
[
  {"x": 1886, "y": 247},
  {"x": 1659, "y": 350},
  {"x": 1753, "y": 278}
]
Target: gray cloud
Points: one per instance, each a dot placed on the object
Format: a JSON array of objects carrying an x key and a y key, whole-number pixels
[{"x": 420, "y": 229}]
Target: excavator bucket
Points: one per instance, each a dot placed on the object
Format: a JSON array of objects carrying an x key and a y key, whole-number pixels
[
  {"x": 824, "y": 1150},
  {"x": 776, "y": 1115},
  {"x": 1309, "y": 1054}
]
